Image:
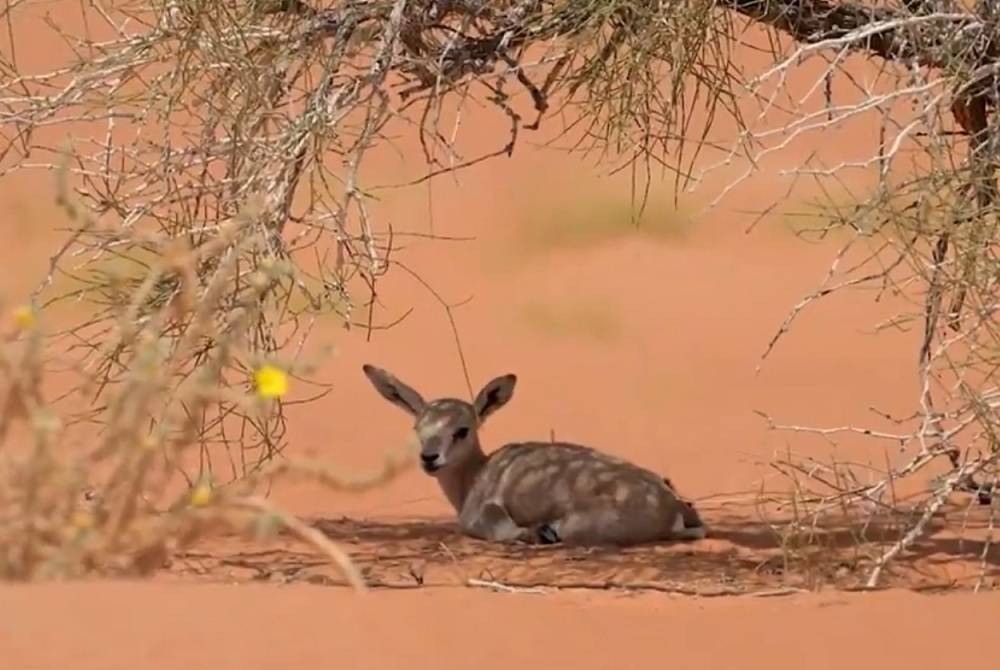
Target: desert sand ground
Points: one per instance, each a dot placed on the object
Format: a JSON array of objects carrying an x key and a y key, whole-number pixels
[
  {"x": 643, "y": 343},
  {"x": 117, "y": 626}
]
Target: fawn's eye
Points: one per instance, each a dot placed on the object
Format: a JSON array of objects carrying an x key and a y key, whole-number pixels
[{"x": 460, "y": 433}]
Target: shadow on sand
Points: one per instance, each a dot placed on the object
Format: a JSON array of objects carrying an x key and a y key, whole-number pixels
[{"x": 740, "y": 556}]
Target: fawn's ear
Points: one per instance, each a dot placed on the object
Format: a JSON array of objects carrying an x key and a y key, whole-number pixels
[
  {"x": 494, "y": 395},
  {"x": 393, "y": 390}
]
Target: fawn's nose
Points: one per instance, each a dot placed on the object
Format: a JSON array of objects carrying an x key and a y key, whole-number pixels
[{"x": 429, "y": 461}]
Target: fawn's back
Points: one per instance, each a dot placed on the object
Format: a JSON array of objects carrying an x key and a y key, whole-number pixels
[{"x": 538, "y": 482}]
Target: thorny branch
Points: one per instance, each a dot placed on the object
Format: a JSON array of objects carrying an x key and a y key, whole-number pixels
[{"x": 926, "y": 231}]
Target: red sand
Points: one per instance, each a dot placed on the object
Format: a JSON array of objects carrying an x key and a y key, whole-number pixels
[
  {"x": 644, "y": 347},
  {"x": 157, "y": 627}
]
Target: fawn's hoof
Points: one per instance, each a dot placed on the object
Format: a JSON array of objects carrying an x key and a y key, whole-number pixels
[{"x": 547, "y": 534}]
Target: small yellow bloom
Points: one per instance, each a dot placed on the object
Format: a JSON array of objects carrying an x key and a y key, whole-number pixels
[
  {"x": 201, "y": 495},
  {"x": 82, "y": 520},
  {"x": 24, "y": 317},
  {"x": 270, "y": 381}
]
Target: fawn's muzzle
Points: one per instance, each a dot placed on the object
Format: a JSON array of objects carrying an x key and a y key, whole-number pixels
[{"x": 429, "y": 462}]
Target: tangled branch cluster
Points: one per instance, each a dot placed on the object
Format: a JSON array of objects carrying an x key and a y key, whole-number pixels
[
  {"x": 54, "y": 524},
  {"x": 924, "y": 229}
]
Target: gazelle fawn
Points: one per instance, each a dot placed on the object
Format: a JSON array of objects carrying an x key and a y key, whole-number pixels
[{"x": 536, "y": 492}]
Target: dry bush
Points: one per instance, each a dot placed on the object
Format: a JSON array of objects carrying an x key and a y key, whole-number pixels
[
  {"x": 219, "y": 148},
  {"x": 923, "y": 232},
  {"x": 53, "y": 522}
]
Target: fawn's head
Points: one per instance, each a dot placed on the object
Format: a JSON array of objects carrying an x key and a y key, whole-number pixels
[{"x": 447, "y": 427}]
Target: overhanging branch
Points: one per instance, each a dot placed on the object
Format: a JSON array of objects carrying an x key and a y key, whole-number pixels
[{"x": 939, "y": 40}]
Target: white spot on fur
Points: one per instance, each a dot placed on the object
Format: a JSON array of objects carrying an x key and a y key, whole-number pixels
[{"x": 436, "y": 428}]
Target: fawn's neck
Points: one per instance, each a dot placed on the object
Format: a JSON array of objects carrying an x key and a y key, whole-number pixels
[{"x": 456, "y": 481}]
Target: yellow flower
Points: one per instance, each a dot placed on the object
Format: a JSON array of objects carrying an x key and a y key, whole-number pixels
[
  {"x": 270, "y": 381},
  {"x": 201, "y": 495},
  {"x": 24, "y": 317},
  {"x": 82, "y": 520}
]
